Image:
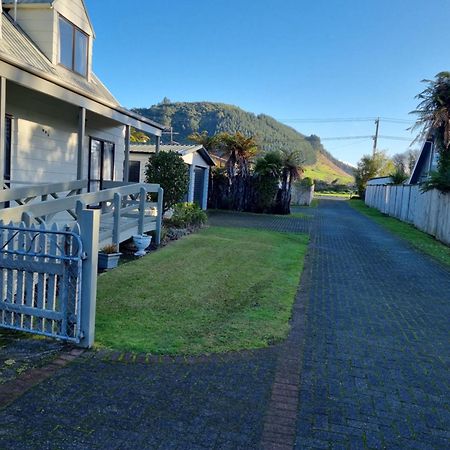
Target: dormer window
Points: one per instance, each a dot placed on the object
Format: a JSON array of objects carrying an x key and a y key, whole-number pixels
[{"x": 73, "y": 47}]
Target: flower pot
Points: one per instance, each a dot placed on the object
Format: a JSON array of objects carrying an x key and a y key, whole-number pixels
[
  {"x": 141, "y": 241},
  {"x": 108, "y": 261}
]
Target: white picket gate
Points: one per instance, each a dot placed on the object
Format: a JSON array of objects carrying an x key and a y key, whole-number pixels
[{"x": 48, "y": 279}]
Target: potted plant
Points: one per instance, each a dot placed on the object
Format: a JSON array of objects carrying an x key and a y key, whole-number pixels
[
  {"x": 108, "y": 257},
  {"x": 141, "y": 241}
]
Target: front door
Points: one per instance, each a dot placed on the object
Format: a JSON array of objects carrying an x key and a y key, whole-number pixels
[{"x": 101, "y": 163}]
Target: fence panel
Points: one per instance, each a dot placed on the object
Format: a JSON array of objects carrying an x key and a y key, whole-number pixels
[
  {"x": 40, "y": 280},
  {"x": 428, "y": 211}
]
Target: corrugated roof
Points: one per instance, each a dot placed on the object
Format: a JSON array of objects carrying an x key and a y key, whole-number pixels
[
  {"x": 179, "y": 148},
  {"x": 18, "y": 46},
  {"x": 182, "y": 149}
]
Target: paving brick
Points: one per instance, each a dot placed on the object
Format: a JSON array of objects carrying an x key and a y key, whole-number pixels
[{"x": 376, "y": 324}]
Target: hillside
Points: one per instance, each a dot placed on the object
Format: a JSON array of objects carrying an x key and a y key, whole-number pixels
[
  {"x": 185, "y": 118},
  {"x": 324, "y": 169}
]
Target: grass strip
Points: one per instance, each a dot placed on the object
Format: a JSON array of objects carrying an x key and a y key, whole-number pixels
[{"x": 219, "y": 290}]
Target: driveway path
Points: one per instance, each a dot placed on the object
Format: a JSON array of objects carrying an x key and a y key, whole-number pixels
[
  {"x": 377, "y": 351},
  {"x": 368, "y": 367}
]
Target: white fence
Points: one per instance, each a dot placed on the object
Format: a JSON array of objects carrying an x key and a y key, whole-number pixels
[
  {"x": 428, "y": 211},
  {"x": 48, "y": 278}
]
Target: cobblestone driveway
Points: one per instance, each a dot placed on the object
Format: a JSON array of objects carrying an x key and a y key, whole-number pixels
[{"x": 374, "y": 371}]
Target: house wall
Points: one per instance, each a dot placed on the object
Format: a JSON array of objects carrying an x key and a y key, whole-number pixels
[
  {"x": 428, "y": 211},
  {"x": 41, "y": 24},
  {"x": 195, "y": 159},
  {"x": 45, "y": 138}
]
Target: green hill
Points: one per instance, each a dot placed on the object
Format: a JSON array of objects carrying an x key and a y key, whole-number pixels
[{"x": 185, "y": 118}]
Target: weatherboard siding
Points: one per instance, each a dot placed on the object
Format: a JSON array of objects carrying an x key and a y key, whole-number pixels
[
  {"x": 40, "y": 25},
  {"x": 45, "y": 138}
]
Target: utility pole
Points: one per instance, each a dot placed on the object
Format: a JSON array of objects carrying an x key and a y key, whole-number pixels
[
  {"x": 375, "y": 138},
  {"x": 171, "y": 132}
]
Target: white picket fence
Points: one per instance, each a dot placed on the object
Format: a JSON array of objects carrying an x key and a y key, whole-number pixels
[{"x": 428, "y": 211}]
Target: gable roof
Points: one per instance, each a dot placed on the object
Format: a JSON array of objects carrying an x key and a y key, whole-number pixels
[
  {"x": 18, "y": 46},
  {"x": 50, "y": 3},
  {"x": 183, "y": 150},
  {"x": 17, "y": 49}
]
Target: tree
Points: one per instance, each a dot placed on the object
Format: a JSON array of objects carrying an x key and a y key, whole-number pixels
[
  {"x": 168, "y": 170},
  {"x": 292, "y": 161},
  {"x": 203, "y": 138},
  {"x": 368, "y": 167},
  {"x": 434, "y": 121},
  {"x": 267, "y": 172},
  {"x": 240, "y": 151},
  {"x": 138, "y": 137}
]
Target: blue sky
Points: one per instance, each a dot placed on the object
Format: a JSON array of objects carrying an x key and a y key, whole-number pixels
[{"x": 291, "y": 59}]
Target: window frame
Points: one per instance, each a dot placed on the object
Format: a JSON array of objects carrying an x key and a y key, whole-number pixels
[
  {"x": 74, "y": 29},
  {"x": 138, "y": 163},
  {"x": 102, "y": 153}
]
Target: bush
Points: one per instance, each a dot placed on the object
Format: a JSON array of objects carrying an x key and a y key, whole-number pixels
[
  {"x": 438, "y": 180},
  {"x": 306, "y": 182},
  {"x": 187, "y": 215},
  {"x": 169, "y": 171},
  {"x": 265, "y": 188},
  {"x": 399, "y": 177}
]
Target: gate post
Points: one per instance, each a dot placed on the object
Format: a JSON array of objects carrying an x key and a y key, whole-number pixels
[{"x": 89, "y": 221}]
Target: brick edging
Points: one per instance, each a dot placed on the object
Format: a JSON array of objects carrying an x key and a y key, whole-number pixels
[
  {"x": 13, "y": 389},
  {"x": 280, "y": 422}
]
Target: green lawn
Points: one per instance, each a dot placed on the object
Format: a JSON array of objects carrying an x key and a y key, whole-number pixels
[
  {"x": 422, "y": 241},
  {"x": 332, "y": 194},
  {"x": 218, "y": 290}
]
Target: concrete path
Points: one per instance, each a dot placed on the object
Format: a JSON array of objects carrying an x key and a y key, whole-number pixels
[{"x": 365, "y": 366}]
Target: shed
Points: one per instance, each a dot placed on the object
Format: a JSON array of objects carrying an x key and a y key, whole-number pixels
[{"x": 196, "y": 157}]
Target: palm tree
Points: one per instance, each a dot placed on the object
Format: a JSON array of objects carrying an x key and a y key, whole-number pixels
[
  {"x": 292, "y": 161},
  {"x": 208, "y": 142},
  {"x": 434, "y": 121},
  {"x": 269, "y": 165},
  {"x": 239, "y": 151}
]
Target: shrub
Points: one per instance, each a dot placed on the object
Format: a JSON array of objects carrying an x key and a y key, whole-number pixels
[
  {"x": 168, "y": 170},
  {"x": 265, "y": 188},
  {"x": 187, "y": 215},
  {"x": 109, "y": 249},
  {"x": 438, "y": 180},
  {"x": 399, "y": 177},
  {"x": 306, "y": 182}
]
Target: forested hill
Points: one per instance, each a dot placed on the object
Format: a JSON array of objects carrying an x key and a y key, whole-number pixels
[{"x": 185, "y": 118}]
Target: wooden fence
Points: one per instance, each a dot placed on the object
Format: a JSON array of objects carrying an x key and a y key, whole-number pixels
[{"x": 428, "y": 211}]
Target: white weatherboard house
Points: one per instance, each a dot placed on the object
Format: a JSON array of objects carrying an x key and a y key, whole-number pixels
[
  {"x": 62, "y": 133},
  {"x": 196, "y": 157}
]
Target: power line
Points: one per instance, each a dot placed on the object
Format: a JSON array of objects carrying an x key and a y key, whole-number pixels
[{"x": 346, "y": 119}]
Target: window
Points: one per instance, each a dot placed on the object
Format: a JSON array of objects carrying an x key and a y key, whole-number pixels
[
  {"x": 134, "y": 171},
  {"x": 73, "y": 47},
  {"x": 101, "y": 164}
]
